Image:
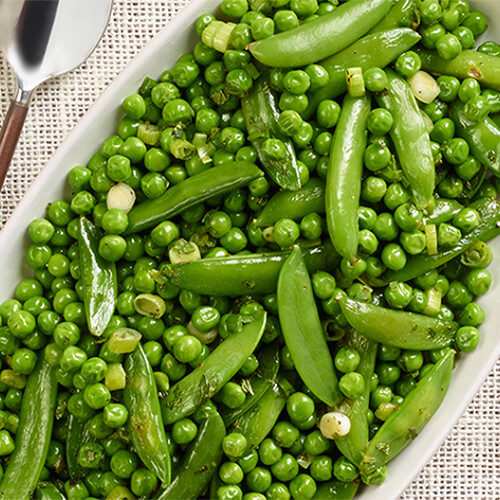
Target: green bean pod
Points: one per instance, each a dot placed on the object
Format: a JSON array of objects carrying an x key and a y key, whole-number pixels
[
  {"x": 409, "y": 134},
  {"x": 98, "y": 277},
  {"x": 483, "y": 137},
  {"x": 257, "y": 384},
  {"x": 468, "y": 64},
  {"x": 146, "y": 429},
  {"x": 402, "y": 329},
  {"x": 294, "y": 205},
  {"x": 257, "y": 423},
  {"x": 303, "y": 332},
  {"x": 489, "y": 210},
  {"x": 200, "y": 463},
  {"x": 404, "y": 425},
  {"x": 343, "y": 180},
  {"x": 242, "y": 274},
  {"x": 354, "y": 443},
  {"x": 403, "y": 14},
  {"x": 78, "y": 434},
  {"x": 33, "y": 434},
  {"x": 48, "y": 491},
  {"x": 336, "y": 490},
  {"x": 373, "y": 50},
  {"x": 189, "y": 393},
  {"x": 210, "y": 183},
  {"x": 322, "y": 37},
  {"x": 261, "y": 118}
]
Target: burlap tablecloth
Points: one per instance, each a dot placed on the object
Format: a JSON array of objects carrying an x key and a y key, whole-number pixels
[{"x": 467, "y": 466}]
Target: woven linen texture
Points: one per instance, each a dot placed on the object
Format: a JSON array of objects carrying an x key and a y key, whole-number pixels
[{"x": 467, "y": 466}]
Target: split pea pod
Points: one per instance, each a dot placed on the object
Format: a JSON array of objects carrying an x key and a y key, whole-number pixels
[
  {"x": 322, "y": 37},
  {"x": 404, "y": 13},
  {"x": 98, "y": 277},
  {"x": 200, "y": 187},
  {"x": 261, "y": 118},
  {"x": 257, "y": 384},
  {"x": 257, "y": 423},
  {"x": 406, "y": 330},
  {"x": 489, "y": 211},
  {"x": 353, "y": 444},
  {"x": 468, "y": 64},
  {"x": 146, "y": 429},
  {"x": 303, "y": 332},
  {"x": 78, "y": 435},
  {"x": 483, "y": 137},
  {"x": 190, "y": 392},
  {"x": 409, "y": 134},
  {"x": 242, "y": 274},
  {"x": 33, "y": 434},
  {"x": 404, "y": 425},
  {"x": 294, "y": 205},
  {"x": 200, "y": 462},
  {"x": 373, "y": 50},
  {"x": 336, "y": 490},
  {"x": 343, "y": 180}
]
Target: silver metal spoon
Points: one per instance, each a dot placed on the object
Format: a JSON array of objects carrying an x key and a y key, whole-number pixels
[{"x": 42, "y": 39}]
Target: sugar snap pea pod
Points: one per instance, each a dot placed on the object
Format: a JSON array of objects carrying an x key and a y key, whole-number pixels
[
  {"x": 404, "y": 425},
  {"x": 257, "y": 423},
  {"x": 489, "y": 210},
  {"x": 343, "y": 179},
  {"x": 336, "y": 490},
  {"x": 402, "y": 329},
  {"x": 483, "y": 137},
  {"x": 322, "y": 37},
  {"x": 409, "y": 134},
  {"x": 373, "y": 50},
  {"x": 242, "y": 274},
  {"x": 190, "y": 392},
  {"x": 257, "y": 384},
  {"x": 444, "y": 210},
  {"x": 33, "y": 434},
  {"x": 98, "y": 277},
  {"x": 146, "y": 429},
  {"x": 354, "y": 443},
  {"x": 403, "y": 13},
  {"x": 303, "y": 332},
  {"x": 78, "y": 435},
  {"x": 294, "y": 205},
  {"x": 48, "y": 491},
  {"x": 261, "y": 118},
  {"x": 468, "y": 64},
  {"x": 200, "y": 187},
  {"x": 200, "y": 462}
]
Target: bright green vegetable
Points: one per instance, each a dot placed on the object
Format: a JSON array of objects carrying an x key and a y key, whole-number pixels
[
  {"x": 145, "y": 421},
  {"x": 33, "y": 434},
  {"x": 99, "y": 280},
  {"x": 302, "y": 330}
]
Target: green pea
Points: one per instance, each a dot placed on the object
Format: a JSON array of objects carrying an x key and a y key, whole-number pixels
[
  {"x": 328, "y": 113},
  {"x": 259, "y": 479},
  {"x": 285, "y": 20},
  {"x": 184, "y": 431},
  {"x": 234, "y": 445},
  {"x": 134, "y": 106},
  {"x": 408, "y": 63},
  {"x": 285, "y": 468},
  {"x": 410, "y": 361},
  {"x": 467, "y": 338},
  {"x": 344, "y": 470},
  {"x": 472, "y": 315},
  {"x": 143, "y": 482},
  {"x": 303, "y": 487}
]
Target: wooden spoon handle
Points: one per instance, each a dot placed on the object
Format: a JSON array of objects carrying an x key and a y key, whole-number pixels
[{"x": 11, "y": 130}]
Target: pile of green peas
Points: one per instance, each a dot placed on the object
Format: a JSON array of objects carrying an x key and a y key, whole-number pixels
[{"x": 190, "y": 120}]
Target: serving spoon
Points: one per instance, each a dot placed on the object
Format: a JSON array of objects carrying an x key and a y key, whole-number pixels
[{"x": 42, "y": 39}]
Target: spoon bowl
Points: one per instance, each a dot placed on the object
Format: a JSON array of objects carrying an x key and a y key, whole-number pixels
[{"x": 42, "y": 39}]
